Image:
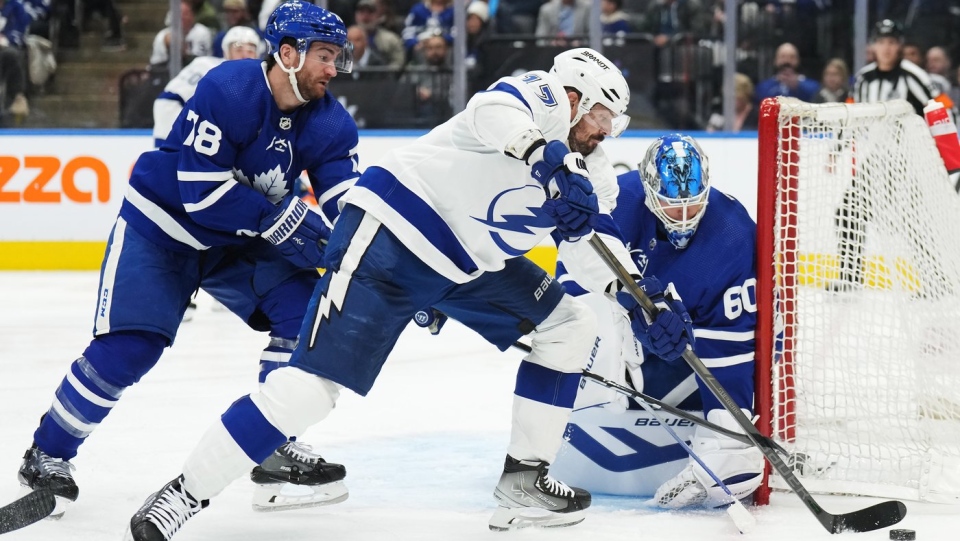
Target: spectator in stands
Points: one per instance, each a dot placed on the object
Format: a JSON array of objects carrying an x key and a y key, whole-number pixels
[
  {"x": 426, "y": 19},
  {"x": 14, "y": 21},
  {"x": 516, "y": 16},
  {"x": 613, "y": 20},
  {"x": 391, "y": 15},
  {"x": 206, "y": 14},
  {"x": 787, "y": 81},
  {"x": 364, "y": 57},
  {"x": 745, "y": 115},
  {"x": 382, "y": 41},
  {"x": 197, "y": 38},
  {"x": 235, "y": 13},
  {"x": 430, "y": 71},
  {"x": 70, "y": 35},
  {"x": 834, "y": 83},
  {"x": 912, "y": 52},
  {"x": 938, "y": 65},
  {"x": 665, "y": 19},
  {"x": 266, "y": 8},
  {"x": 478, "y": 16},
  {"x": 564, "y": 18}
]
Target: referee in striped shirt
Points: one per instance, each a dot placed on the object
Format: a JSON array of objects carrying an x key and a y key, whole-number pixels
[
  {"x": 890, "y": 77},
  {"x": 893, "y": 77}
]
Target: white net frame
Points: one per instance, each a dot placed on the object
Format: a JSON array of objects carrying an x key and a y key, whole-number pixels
[{"x": 859, "y": 259}]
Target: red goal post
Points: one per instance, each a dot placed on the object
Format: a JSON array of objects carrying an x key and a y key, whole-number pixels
[{"x": 858, "y": 295}]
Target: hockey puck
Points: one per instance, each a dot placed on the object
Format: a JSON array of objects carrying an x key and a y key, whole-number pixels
[{"x": 903, "y": 535}]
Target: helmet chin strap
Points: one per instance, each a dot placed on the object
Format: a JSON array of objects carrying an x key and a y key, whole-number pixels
[{"x": 292, "y": 74}]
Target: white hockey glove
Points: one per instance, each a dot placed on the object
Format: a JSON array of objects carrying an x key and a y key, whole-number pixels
[
  {"x": 738, "y": 465},
  {"x": 298, "y": 232}
]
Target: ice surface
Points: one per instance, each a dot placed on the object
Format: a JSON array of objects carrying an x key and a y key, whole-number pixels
[{"x": 423, "y": 450}]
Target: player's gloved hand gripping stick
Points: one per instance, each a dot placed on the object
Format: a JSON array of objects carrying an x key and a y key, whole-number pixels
[
  {"x": 667, "y": 334},
  {"x": 881, "y": 515},
  {"x": 298, "y": 232},
  {"x": 570, "y": 198}
]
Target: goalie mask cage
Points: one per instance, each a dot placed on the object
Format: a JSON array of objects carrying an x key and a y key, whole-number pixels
[{"x": 858, "y": 295}]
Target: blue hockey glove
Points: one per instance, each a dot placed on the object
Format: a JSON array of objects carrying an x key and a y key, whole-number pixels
[
  {"x": 431, "y": 319},
  {"x": 668, "y": 335},
  {"x": 298, "y": 232},
  {"x": 570, "y": 198}
]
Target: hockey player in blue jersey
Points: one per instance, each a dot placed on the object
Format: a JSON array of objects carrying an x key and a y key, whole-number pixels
[
  {"x": 682, "y": 231},
  {"x": 444, "y": 222},
  {"x": 212, "y": 209}
]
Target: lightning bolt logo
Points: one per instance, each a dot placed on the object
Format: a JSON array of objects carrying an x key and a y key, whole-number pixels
[
  {"x": 332, "y": 299},
  {"x": 514, "y": 223}
]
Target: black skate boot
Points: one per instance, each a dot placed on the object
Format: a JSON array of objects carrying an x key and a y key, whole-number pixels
[
  {"x": 294, "y": 477},
  {"x": 164, "y": 513},
  {"x": 41, "y": 471},
  {"x": 528, "y": 496}
]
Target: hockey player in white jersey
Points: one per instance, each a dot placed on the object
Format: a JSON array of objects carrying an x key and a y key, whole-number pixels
[
  {"x": 444, "y": 222},
  {"x": 212, "y": 209},
  {"x": 239, "y": 42},
  {"x": 680, "y": 230}
]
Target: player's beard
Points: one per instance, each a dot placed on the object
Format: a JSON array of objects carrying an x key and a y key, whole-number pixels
[
  {"x": 310, "y": 87},
  {"x": 581, "y": 139}
]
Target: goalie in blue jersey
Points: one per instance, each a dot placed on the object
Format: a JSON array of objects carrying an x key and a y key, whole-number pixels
[
  {"x": 213, "y": 208},
  {"x": 683, "y": 232}
]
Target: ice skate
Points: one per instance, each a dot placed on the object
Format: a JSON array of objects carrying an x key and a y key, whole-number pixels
[
  {"x": 294, "y": 477},
  {"x": 41, "y": 471},
  {"x": 163, "y": 513},
  {"x": 528, "y": 496}
]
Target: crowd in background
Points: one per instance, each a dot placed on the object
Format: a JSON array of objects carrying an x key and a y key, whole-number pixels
[{"x": 800, "y": 48}]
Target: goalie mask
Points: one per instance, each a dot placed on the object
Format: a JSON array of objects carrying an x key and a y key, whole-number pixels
[
  {"x": 598, "y": 81},
  {"x": 676, "y": 178}
]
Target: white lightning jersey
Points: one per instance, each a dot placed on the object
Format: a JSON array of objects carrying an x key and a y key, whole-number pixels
[
  {"x": 181, "y": 88},
  {"x": 453, "y": 196}
]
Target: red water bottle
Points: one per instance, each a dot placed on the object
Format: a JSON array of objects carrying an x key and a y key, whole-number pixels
[{"x": 944, "y": 132}]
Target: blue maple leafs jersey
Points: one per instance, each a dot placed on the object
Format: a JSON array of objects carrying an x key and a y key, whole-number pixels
[
  {"x": 715, "y": 276},
  {"x": 232, "y": 156}
]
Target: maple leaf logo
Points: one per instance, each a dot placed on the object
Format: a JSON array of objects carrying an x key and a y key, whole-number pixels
[{"x": 271, "y": 184}]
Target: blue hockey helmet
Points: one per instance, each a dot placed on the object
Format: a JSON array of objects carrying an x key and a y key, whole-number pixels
[
  {"x": 676, "y": 178},
  {"x": 307, "y": 23}
]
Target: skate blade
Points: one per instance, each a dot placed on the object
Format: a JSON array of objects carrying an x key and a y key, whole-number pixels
[
  {"x": 286, "y": 496},
  {"x": 506, "y": 519}
]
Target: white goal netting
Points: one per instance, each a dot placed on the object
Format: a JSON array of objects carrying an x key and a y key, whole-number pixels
[{"x": 865, "y": 356}]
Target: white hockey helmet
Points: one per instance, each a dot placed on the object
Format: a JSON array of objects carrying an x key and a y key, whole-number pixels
[
  {"x": 676, "y": 178},
  {"x": 598, "y": 80},
  {"x": 242, "y": 35}
]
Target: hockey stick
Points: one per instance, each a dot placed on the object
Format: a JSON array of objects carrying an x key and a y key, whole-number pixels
[
  {"x": 871, "y": 518},
  {"x": 31, "y": 508},
  {"x": 742, "y": 518},
  {"x": 610, "y": 384}
]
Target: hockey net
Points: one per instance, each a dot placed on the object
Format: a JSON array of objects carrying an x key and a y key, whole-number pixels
[{"x": 858, "y": 338}]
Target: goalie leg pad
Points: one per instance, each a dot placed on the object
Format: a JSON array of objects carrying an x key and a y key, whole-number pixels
[{"x": 738, "y": 465}]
